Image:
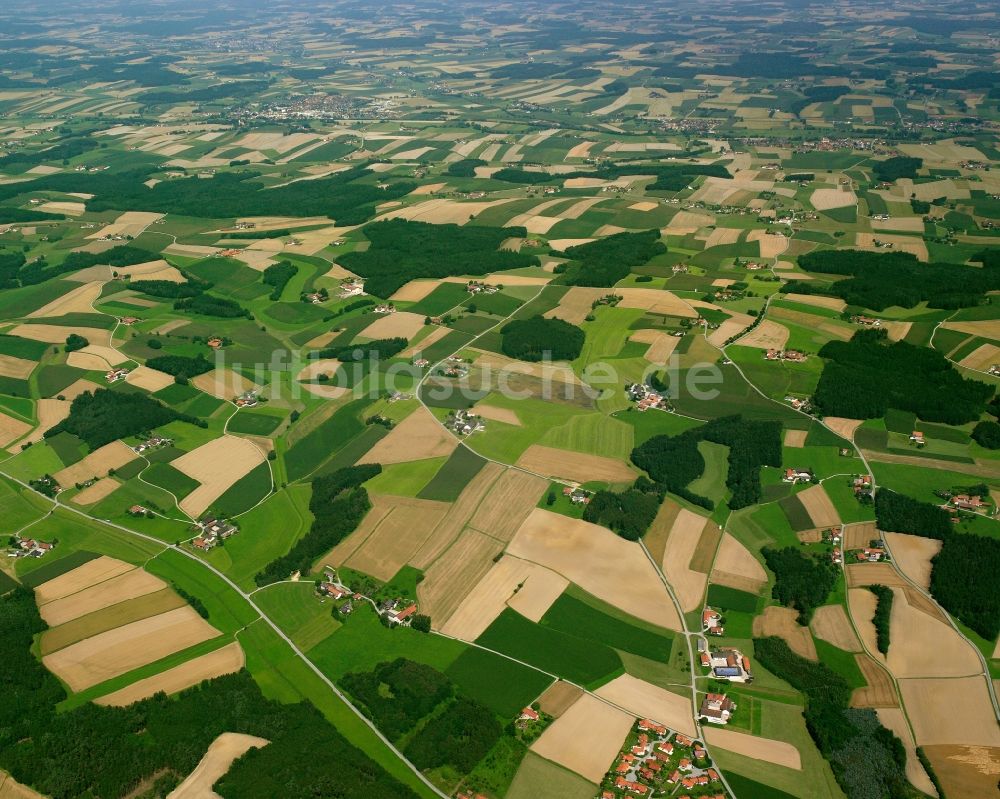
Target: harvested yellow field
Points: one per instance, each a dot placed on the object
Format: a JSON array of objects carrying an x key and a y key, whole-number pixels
[
  {"x": 685, "y": 222},
  {"x": 862, "y": 603},
  {"x": 427, "y": 188},
  {"x": 911, "y": 244},
  {"x": 216, "y": 465},
  {"x": 16, "y": 367},
  {"x": 656, "y": 301},
  {"x": 414, "y": 291},
  {"x": 989, "y": 328},
  {"x": 147, "y": 378},
  {"x": 842, "y": 427},
  {"x": 57, "y": 334},
  {"x": 417, "y": 437},
  {"x": 129, "y": 585},
  {"x": 923, "y": 646},
  {"x": 768, "y": 335},
  {"x": 982, "y": 358},
  {"x": 130, "y": 223},
  {"x": 498, "y": 364},
  {"x": 646, "y": 700},
  {"x": 598, "y": 561},
  {"x": 398, "y": 536},
  {"x": 825, "y": 199},
  {"x": 796, "y": 438},
  {"x": 736, "y": 567},
  {"x": 721, "y": 236},
  {"x": 225, "y": 660},
  {"x": 217, "y": 760},
  {"x": 508, "y": 579},
  {"x": 782, "y": 623},
  {"x": 581, "y": 150},
  {"x": 905, "y": 224},
  {"x": 71, "y": 208},
  {"x": 402, "y": 324},
  {"x": 12, "y": 789},
  {"x": 96, "y": 464},
  {"x": 966, "y": 772},
  {"x": 461, "y": 511},
  {"x": 912, "y": 555},
  {"x": 508, "y": 503},
  {"x": 453, "y": 575},
  {"x": 497, "y": 414},
  {"x": 575, "y": 304},
  {"x": 880, "y": 691},
  {"x": 155, "y": 270},
  {"x": 586, "y": 738},
  {"x": 780, "y": 753},
  {"x": 860, "y": 535},
  {"x": 12, "y": 429},
  {"x": 942, "y": 152},
  {"x": 577, "y": 466},
  {"x": 224, "y": 384},
  {"x": 79, "y": 300},
  {"x": 442, "y": 212},
  {"x": 661, "y": 344},
  {"x": 893, "y": 719},
  {"x": 735, "y": 324},
  {"x": 682, "y": 541},
  {"x": 950, "y": 711},
  {"x": 645, "y": 205},
  {"x": 831, "y": 303},
  {"x": 90, "y": 573},
  {"x": 318, "y": 366},
  {"x": 559, "y": 697},
  {"x": 382, "y": 506},
  {"x": 118, "y": 651},
  {"x": 819, "y": 507},
  {"x": 97, "y": 492},
  {"x": 830, "y": 623},
  {"x": 771, "y": 244}
]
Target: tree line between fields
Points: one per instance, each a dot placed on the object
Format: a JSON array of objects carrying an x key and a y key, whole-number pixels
[
  {"x": 147, "y": 748},
  {"x": 867, "y": 759},
  {"x": 672, "y": 463}
]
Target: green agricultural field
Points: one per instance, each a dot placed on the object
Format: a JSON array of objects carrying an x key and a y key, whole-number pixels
[
  {"x": 509, "y": 688},
  {"x": 595, "y": 434},
  {"x": 299, "y": 611},
  {"x": 540, "y": 777},
  {"x": 721, "y": 596},
  {"x": 457, "y": 472},
  {"x": 170, "y": 479},
  {"x": 562, "y": 654},
  {"x": 266, "y": 532},
  {"x": 405, "y": 479}
]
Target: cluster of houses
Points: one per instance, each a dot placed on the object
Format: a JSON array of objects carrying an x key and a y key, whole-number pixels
[
  {"x": 384, "y": 308},
  {"x": 862, "y": 485},
  {"x": 795, "y": 356},
  {"x": 215, "y": 342},
  {"x": 421, "y": 363},
  {"x": 478, "y": 287},
  {"x": 711, "y": 622},
  {"x": 717, "y": 708},
  {"x": 397, "y": 611},
  {"x": 464, "y": 422},
  {"x": 832, "y": 537},
  {"x": 232, "y": 252},
  {"x": 727, "y": 664},
  {"x": 866, "y": 321},
  {"x": 114, "y": 375},
  {"x": 351, "y": 287},
  {"x": 799, "y": 404},
  {"x": 794, "y": 476},
  {"x": 645, "y": 397},
  {"x": 29, "y": 547},
  {"x": 917, "y": 438},
  {"x": 578, "y": 496},
  {"x": 137, "y": 510},
  {"x": 656, "y": 761},
  {"x": 212, "y": 532},
  {"x": 973, "y": 503},
  {"x": 455, "y": 367},
  {"x": 247, "y": 399},
  {"x": 155, "y": 442},
  {"x": 128, "y": 321},
  {"x": 871, "y": 555}
]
